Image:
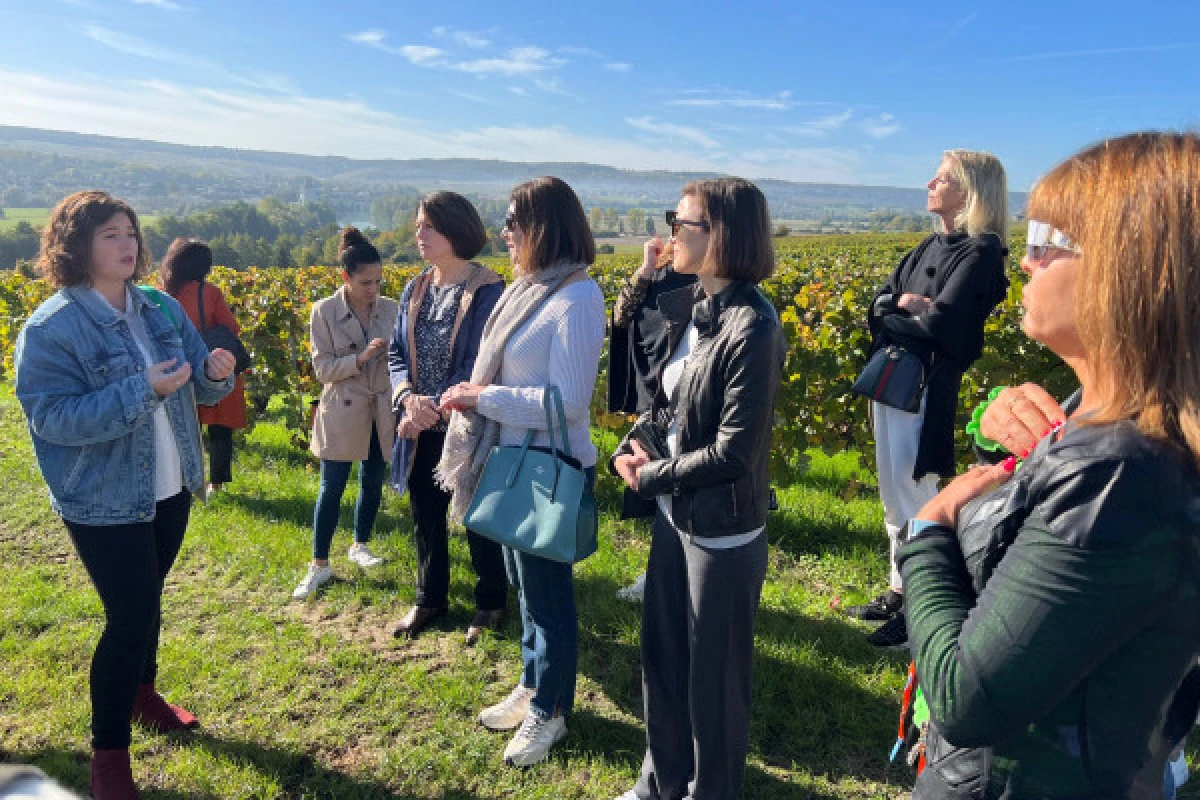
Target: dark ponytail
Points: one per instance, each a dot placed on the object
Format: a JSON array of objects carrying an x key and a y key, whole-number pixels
[{"x": 356, "y": 252}]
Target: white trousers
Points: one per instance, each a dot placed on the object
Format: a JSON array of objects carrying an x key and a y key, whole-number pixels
[{"x": 897, "y": 436}]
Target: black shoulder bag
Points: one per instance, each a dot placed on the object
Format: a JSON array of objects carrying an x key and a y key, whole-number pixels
[{"x": 221, "y": 336}]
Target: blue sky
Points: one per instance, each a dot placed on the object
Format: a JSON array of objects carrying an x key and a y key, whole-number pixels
[{"x": 851, "y": 92}]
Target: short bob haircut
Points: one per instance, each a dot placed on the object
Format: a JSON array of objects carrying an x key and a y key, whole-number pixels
[
  {"x": 454, "y": 217},
  {"x": 556, "y": 228},
  {"x": 186, "y": 260},
  {"x": 1132, "y": 205},
  {"x": 736, "y": 212},
  {"x": 981, "y": 176},
  {"x": 65, "y": 258}
]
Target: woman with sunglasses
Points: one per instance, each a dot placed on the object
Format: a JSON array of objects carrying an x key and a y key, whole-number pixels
[
  {"x": 637, "y": 349},
  {"x": 934, "y": 306},
  {"x": 708, "y": 551},
  {"x": 1069, "y": 667},
  {"x": 547, "y": 329}
]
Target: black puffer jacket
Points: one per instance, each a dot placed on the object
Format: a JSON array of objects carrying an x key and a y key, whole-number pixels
[{"x": 725, "y": 408}]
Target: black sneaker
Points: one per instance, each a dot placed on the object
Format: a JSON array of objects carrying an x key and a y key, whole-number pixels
[
  {"x": 880, "y": 609},
  {"x": 892, "y": 634}
]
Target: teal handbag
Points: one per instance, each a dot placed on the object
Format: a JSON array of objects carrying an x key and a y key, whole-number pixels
[{"x": 537, "y": 499}]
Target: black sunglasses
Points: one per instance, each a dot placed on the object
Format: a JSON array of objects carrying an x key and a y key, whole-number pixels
[
  {"x": 676, "y": 223},
  {"x": 510, "y": 221}
]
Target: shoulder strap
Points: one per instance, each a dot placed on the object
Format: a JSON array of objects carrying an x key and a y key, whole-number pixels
[
  {"x": 200, "y": 305},
  {"x": 156, "y": 296}
]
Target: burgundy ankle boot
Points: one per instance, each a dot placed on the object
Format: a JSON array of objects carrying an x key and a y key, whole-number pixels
[
  {"x": 151, "y": 710},
  {"x": 112, "y": 777}
]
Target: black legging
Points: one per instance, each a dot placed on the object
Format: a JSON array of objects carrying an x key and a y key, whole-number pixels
[
  {"x": 220, "y": 454},
  {"x": 128, "y": 565}
]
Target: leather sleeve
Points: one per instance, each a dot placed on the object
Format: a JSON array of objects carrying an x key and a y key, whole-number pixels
[
  {"x": 752, "y": 370},
  {"x": 1059, "y": 602}
]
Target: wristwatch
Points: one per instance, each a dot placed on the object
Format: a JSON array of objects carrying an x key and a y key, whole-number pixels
[{"x": 915, "y": 527}]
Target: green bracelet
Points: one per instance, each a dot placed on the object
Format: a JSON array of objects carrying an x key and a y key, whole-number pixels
[{"x": 982, "y": 441}]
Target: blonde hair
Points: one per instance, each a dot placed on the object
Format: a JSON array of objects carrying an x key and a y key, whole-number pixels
[
  {"x": 981, "y": 176},
  {"x": 1133, "y": 206}
]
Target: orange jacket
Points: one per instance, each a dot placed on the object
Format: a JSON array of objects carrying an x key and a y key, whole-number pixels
[{"x": 230, "y": 412}]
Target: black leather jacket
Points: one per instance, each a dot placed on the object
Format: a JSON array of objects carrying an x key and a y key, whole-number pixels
[{"x": 726, "y": 405}]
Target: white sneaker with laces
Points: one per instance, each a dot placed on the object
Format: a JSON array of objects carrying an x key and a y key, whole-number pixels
[
  {"x": 533, "y": 740},
  {"x": 362, "y": 556},
  {"x": 634, "y": 592},
  {"x": 313, "y": 580},
  {"x": 509, "y": 712}
]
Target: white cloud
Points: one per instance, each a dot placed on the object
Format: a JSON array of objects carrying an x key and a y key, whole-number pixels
[
  {"x": 820, "y": 126},
  {"x": 465, "y": 38},
  {"x": 252, "y": 119},
  {"x": 1103, "y": 51},
  {"x": 421, "y": 55},
  {"x": 519, "y": 61},
  {"x": 580, "y": 52},
  {"x": 132, "y": 45},
  {"x": 714, "y": 98},
  {"x": 667, "y": 130},
  {"x": 166, "y": 5},
  {"x": 881, "y": 127},
  {"x": 618, "y": 66},
  {"x": 418, "y": 54}
]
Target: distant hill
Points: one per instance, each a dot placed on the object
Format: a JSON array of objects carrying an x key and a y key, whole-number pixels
[{"x": 39, "y": 166}]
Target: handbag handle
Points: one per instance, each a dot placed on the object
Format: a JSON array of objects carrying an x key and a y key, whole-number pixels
[{"x": 551, "y": 402}]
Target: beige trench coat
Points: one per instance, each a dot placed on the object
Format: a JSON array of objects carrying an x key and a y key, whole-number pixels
[{"x": 352, "y": 399}]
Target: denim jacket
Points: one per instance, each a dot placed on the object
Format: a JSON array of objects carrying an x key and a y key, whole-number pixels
[{"x": 81, "y": 380}]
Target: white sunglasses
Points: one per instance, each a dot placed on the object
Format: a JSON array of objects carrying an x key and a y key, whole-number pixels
[{"x": 1044, "y": 237}]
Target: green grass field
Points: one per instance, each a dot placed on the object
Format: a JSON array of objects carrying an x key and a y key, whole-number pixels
[
  {"x": 317, "y": 700},
  {"x": 34, "y": 216},
  {"x": 37, "y": 218}
]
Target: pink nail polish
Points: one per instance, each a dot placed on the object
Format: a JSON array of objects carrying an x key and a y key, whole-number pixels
[{"x": 1009, "y": 463}]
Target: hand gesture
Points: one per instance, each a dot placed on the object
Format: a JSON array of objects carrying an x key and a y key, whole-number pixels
[
  {"x": 914, "y": 303},
  {"x": 166, "y": 381},
  {"x": 652, "y": 251},
  {"x": 943, "y": 509},
  {"x": 373, "y": 348},
  {"x": 1020, "y": 417},
  {"x": 627, "y": 466},
  {"x": 463, "y": 397},
  {"x": 220, "y": 364},
  {"x": 420, "y": 412}
]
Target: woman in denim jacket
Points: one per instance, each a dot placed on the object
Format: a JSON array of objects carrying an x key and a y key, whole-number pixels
[{"x": 109, "y": 379}]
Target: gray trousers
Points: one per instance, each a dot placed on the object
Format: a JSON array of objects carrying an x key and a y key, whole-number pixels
[{"x": 697, "y": 665}]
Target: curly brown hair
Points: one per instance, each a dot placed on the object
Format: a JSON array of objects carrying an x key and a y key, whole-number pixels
[{"x": 66, "y": 252}]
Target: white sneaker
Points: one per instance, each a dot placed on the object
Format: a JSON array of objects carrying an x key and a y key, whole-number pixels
[
  {"x": 635, "y": 591},
  {"x": 509, "y": 712},
  {"x": 313, "y": 580},
  {"x": 630, "y": 795},
  {"x": 534, "y": 739},
  {"x": 360, "y": 555}
]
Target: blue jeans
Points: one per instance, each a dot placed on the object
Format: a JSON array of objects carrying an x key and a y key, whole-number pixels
[
  {"x": 334, "y": 475},
  {"x": 549, "y": 627}
]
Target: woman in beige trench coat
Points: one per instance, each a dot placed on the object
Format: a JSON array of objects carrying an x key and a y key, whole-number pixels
[{"x": 350, "y": 331}]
